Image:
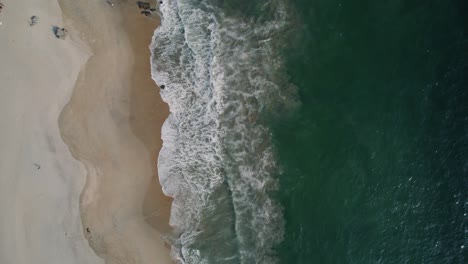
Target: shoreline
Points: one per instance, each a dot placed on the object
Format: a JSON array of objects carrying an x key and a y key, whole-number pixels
[
  {"x": 148, "y": 112},
  {"x": 112, "y": 125}
]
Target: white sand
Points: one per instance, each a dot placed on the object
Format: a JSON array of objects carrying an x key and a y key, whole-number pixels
[{"x": 39, "y": 208}]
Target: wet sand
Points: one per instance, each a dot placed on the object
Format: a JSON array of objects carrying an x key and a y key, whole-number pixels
[
  {"x": 148, "y": 111},
  {"x": 112, "y": 125}
]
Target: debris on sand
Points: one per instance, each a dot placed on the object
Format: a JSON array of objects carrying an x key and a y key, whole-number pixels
[
  {"x": 147, "y": 9},
  {"x": 143, "y": 5},
  {"x": 60, "y": 33},
  {"x": 1, "y": 7},
  {"x": 33, "y": 20},
  {"x": 145, "y": 12}
]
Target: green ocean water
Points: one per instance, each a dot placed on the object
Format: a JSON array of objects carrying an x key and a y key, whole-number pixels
[
  {"x": 375, "y": 160},
  {"x": 315, "y": 131}
]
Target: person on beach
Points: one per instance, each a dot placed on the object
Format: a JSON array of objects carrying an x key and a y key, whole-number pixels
[
  {"x": 33, "y": 20},
  {"x": 60, "y": 33}
]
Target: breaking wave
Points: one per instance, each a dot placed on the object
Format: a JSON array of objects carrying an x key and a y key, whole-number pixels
[{"x": 223, "y": 74}]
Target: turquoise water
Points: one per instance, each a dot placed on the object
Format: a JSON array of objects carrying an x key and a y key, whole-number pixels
[
  {"x": 375, "y": 161},
  {"x": 316, "y": 131}
]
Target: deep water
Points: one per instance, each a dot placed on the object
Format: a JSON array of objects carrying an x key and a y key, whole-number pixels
[{"x": 374, "y": 164}]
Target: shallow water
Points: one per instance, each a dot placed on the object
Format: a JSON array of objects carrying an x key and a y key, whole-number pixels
[{"x": 221, "y": 73}]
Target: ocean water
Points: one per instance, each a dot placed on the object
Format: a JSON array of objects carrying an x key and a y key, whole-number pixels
[
  {"x": 222, "y": 73},
  {"x": 315, "y": 131}
]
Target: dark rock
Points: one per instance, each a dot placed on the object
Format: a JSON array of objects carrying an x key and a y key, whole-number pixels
[
  {"x": 145, "y": 12},
  {"x": 143, "y": 5}
]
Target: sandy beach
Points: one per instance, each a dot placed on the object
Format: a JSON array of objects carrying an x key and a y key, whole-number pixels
[
  {"x": 80, "y": 135},
  {"x": 40, "y": 182}
]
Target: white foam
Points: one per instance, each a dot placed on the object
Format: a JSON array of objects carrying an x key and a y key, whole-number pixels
[{"x": 220, "y": 74}]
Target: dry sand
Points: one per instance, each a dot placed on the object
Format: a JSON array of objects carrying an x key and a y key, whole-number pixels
[
  {"x": 39, "y": 206},
  {"x": 111, "y": 124}
]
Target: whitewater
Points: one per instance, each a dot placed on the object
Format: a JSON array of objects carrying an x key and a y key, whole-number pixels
[{"x": 223, "y": 74}]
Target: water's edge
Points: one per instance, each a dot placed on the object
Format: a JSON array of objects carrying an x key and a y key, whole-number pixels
[{"x": 222, "y": 76}]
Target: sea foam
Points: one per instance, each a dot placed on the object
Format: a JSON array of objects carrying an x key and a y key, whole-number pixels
[{"x": 222, "y": 74}]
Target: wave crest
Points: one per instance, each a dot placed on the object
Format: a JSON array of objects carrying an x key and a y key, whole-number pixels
[{"x": 222, "y": 75}]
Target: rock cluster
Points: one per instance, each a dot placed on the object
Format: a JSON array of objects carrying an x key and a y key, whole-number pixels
[{"x": 147, "y": 9}]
